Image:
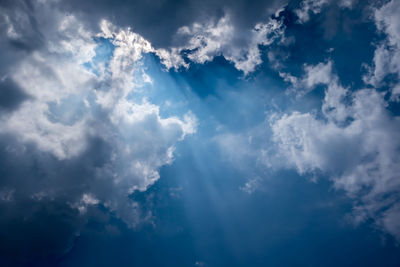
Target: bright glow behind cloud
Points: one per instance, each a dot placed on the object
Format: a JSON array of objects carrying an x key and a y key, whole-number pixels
[{"x": 141, "y": 140}]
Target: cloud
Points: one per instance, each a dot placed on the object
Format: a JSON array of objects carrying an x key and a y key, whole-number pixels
[
  {"x": 235, "y": 148},
  {"x": 313, "y": 75},
  {"x": 251, "y": 185},
  {"x": 224, "y": 30},
  {"x": 387, "y": 54},
  {"x": 11, "y": 95},
  {"x": 353, "y": 141},
  {"x": 204, "y": 41},
  {"x": 79, "y": 137},
  {"x": 307, "y": 7},
  {"x": 74, "y": 135},
  {"x": 171, "y": 15}
]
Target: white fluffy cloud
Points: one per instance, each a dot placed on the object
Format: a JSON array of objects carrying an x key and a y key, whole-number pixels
[
  {"x": 314, "y": 75},
  {"x": 354, "y": 141},
  {"x": 387, "y": 54},
  {"x": 204, "y": 41}
]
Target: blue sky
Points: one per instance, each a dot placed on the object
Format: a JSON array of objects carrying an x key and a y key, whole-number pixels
[{"x": 200, "y": 133}]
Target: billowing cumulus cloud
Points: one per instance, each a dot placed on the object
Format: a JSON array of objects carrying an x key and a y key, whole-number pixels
[
  {"x": 353, "y": 140},
  {"x": 206, "y": 41},
  {"x": 73, "y": 114}
]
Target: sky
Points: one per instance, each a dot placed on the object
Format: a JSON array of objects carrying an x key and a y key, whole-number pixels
[{"x": 200, "y": 133}]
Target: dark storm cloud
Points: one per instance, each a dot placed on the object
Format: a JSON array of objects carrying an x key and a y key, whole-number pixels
[
  {"x": 158, "y": 21},
  {"x": 11, "y": 95},
  {"x": 36, "y": 220},
  {"x": 24, "y": 34},
  {"x": 40, "y": 197},
  {"x": 20, "y": 36}
]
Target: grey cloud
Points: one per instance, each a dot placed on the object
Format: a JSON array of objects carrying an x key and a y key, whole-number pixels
[
  {"x": 38, "y": 222},
  {"x": 203, "y": 30},
  {"x": 11, "y": 95},
  {"x": 19, "y": 25},
  {"x": 158, "y": 21}
]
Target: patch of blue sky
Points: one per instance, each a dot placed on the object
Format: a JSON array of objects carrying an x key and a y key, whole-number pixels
[
  {"x": 213, "y": 92},
  {"x": 104, "y": 52},
  {"x": 154, "y": 84}
]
